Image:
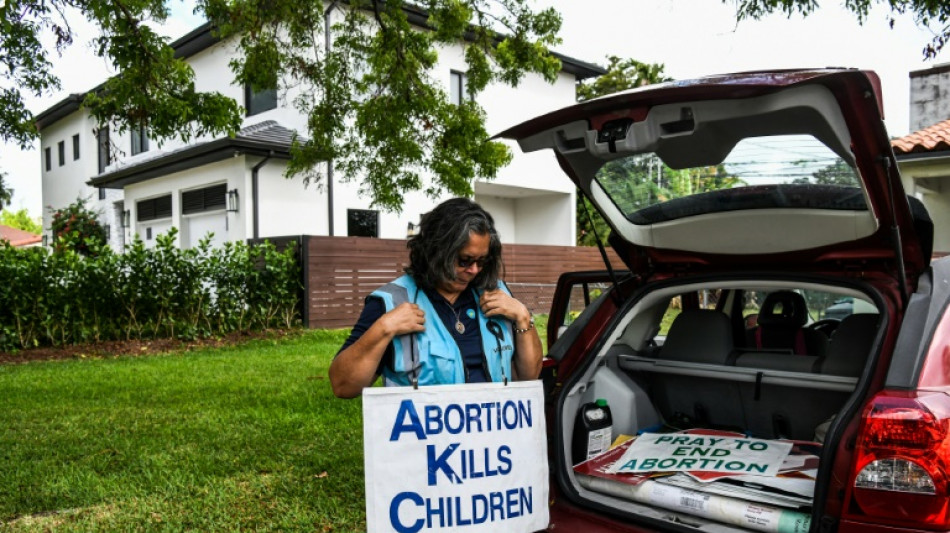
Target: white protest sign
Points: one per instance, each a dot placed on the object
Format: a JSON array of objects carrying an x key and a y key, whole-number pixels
[
  {"x": 468, "y": 458},
  {"x": 679, "y": 452}
]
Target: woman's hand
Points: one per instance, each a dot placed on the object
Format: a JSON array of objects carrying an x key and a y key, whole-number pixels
[
  {"x": 526, "y": 363},
  {"x": 499, "y": 303},
  {"x": 355, "y": 367},
  {"x": 404, "y": 318}
]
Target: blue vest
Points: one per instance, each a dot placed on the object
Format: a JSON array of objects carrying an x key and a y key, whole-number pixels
[{"x": 432, "y": 355}]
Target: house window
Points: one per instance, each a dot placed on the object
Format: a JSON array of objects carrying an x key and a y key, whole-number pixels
[
  {"x": 48, "y": 158},
  {"x": 139, "y": 139},
  {"x": 61, "y": 151},
  {"x": 457, "y": 87},
  {"x": 108, "y": 230},
  {"x": 200, "y": 200},
  {"x": 102, "y": 193},
  {"x": 259, "y": 101},
  {"x": 75, "y": 147},
  {"x": 122, "y": 217},
  {"x": 154, "y": 208},
  {"x": 362, "y": 223},
  {"x": 102, "y": 138}
]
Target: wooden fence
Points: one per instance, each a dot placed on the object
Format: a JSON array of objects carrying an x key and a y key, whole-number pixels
[{"x": 339, "y": 272}]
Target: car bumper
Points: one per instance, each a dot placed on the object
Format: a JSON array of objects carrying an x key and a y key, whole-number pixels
[{"x": 568, "y": 517}]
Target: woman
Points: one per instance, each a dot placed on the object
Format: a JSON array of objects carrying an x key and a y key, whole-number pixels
[{"x": 450, "y": 319}]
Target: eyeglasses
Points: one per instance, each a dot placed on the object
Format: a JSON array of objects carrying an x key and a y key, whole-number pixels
[{"x": 465, "y": 262}]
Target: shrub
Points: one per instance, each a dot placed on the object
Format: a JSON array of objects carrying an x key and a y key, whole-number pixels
[
  {"x": 66, "y": 297},
  {"x": 76, "y": 227}
]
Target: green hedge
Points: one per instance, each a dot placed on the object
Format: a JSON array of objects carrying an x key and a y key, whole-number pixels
[{"x": 65, "y": 298}]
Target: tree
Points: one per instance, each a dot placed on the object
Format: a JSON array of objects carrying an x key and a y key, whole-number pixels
[
  {"x": 6, "y": 193},
  {"x": 621, "y": 74},
  {"x": 21, "y": 220},
  {"x": 371, "y": 104},
  {"x": 76, "y": 227},
  {"x": 924, "y": 12},
  {"x": 837, "y": 173}
]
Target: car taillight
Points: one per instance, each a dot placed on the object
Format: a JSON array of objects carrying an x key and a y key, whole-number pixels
[{"x": 901, "y": 461}]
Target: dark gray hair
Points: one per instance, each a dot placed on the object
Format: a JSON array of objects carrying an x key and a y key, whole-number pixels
[{"x": 443, "y": 232}]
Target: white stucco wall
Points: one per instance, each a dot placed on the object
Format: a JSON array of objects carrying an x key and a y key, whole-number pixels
[
  {"x": 231, "y": 171},
  {"x": 63, "y": 185},
  {"x": 542, "y": 219},
  {"x": 929, "y": 181},
  {"x": 287, "y": 206},
  {"x": 938, "y": 204},
  {"x": 503, "y": 212},
  {"x": 532, "y": 186}
]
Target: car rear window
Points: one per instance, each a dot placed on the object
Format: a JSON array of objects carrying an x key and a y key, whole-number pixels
[{"x": 783, "y": 171}]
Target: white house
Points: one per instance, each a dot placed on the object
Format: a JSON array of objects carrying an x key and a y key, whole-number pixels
[
  {"x": 924, "y": 155},
  {"x": 234, "y": 187}
]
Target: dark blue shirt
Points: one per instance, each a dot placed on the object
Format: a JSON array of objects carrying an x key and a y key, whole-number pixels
[{"x": 464, "y": 309}]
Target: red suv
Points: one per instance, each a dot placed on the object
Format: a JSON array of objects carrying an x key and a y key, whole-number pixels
[{"x": 743, "y": 206}]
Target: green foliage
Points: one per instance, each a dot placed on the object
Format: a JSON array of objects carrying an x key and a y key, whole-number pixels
[
  {"x": 372, "y": 104},
  {"x": 621, "y": 74},
  {"x": 64, "y": 297},
  {"x": 77, "y": 228},
  {"x": 21, "y": 220},
  {"x": 639, "y": 181},
  {"x": 924, "y": 12},
  {"x": 689, "y": 181},
  {"x": 6, "y": 193},
  {"x": 837, "y": 173},
  {"x": 590, "y": 225}
]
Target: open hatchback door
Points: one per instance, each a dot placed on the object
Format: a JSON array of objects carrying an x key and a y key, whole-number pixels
[
  {"x": 778, "y": 287},
  {"x": 746, "y": 169}
]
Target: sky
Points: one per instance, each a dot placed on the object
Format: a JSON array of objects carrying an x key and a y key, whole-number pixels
[{"x": 691, "y": 38}]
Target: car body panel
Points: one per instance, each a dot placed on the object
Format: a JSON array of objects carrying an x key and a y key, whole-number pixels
[
  {"x": 573, "y": 286},
  {"x": 841, "y": 108},
  {"x": 850, "y": 526},
  {"x": 863, "y": 239},
  {"x": 565, "y": 516},
  {"x": 921, "y": 355},
  {"x": 935, "y": 368}
]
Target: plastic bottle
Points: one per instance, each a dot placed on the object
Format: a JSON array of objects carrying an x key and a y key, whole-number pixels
[{"x": 593, "y": 431}]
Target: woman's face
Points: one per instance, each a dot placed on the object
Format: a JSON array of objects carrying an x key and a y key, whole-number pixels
[{"x": 469, "y": 262}]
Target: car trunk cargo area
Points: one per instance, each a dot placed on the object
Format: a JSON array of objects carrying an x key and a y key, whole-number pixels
[{"x": 768, "y": 361}]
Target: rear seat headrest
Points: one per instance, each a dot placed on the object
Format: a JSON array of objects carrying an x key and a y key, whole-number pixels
[
  {"x": 783, "y": 308},
  {"x": 850, "y": 345},
  {"x": 700, "y": 336}
]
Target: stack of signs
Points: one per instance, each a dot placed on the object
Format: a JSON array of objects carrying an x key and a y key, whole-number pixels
[{"x": 764, "y": 485}]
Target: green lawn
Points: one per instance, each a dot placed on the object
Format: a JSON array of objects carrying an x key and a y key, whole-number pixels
[
  {"x": 246, "y": 437},
  {"x": 242, "y": 438}
]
